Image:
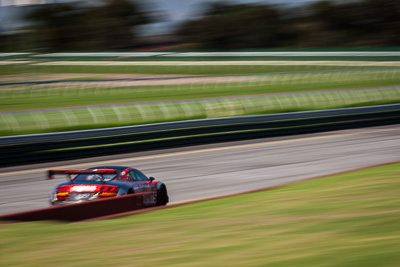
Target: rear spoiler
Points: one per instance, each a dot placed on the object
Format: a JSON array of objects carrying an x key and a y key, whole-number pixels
[{"x": 51, "y": 173}]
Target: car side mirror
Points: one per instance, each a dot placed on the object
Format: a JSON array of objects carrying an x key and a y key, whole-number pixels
[{"x": 152, "y": 179}]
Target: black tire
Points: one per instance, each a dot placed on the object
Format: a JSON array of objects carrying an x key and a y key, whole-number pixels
[{"x": 162, "y": 196}]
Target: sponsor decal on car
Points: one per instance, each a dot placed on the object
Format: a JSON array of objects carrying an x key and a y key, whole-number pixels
[{"x": 84, "y": 188}]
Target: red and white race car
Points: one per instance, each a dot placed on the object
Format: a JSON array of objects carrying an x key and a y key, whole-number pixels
[{"x": 104, "y": 182}]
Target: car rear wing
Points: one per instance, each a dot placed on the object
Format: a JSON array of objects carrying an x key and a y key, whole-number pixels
[{"x": 52, "y": 173}]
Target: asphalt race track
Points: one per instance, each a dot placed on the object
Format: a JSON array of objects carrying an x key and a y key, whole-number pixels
[{"x": 218, "y": 169}]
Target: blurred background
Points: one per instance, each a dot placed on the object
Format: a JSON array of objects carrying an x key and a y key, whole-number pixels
[
  {"x": 129, "y": 25},
  {"x": 71, "y": 65},
  {"x": 74, "y": 65}
]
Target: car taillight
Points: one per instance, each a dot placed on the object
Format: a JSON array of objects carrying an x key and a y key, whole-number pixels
[
  {"x": 62, "y": 192},
  {"x": 109, "y": 191},
  {"x": 109, "y": 188},
  {"x": 63, "y": 188}
]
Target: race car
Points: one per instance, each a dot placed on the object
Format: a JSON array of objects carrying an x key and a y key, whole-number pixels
[{"x": 104, "y": 182}]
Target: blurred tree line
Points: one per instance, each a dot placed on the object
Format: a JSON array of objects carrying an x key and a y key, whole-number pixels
[
  {"x": 79, "y": 26},
  {"x": 321, "y": 24},
  {"x": 113, "y": 25}
]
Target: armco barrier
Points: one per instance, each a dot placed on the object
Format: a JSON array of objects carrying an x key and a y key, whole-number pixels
[
  {"x": 81, "y": 211},
  {"x": 26, "y": 149}
]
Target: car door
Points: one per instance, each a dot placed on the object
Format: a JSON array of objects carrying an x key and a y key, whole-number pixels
[
  {"x": 131, "y": 178},
  {"x": 146, "y": 186}
]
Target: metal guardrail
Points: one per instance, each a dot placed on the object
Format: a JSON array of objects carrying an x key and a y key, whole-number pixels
[{"x": 27, "y": 149}]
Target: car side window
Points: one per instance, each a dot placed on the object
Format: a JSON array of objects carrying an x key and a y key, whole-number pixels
[
  {"x": 140, "y": 176},
  {"x": 129, "y": 177},
  {"x": 134, "y": 176}
]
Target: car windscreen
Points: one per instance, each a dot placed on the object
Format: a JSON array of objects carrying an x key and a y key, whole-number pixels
[{"x": 94, "y": 177}]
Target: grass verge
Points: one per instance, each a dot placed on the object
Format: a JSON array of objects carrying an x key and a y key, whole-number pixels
[
  {"x": 185, "y": 70},
  {"x": 123, "y": 115},
  {"x": 59, "y": 95},
  {"x": 343, "y": 220},
  {"x": 56, "y": 96}
]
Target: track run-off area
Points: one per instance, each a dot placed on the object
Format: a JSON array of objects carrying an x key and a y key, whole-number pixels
[
  {"x": 206, "y": 63},
  {"x": 199, "y": 172}
]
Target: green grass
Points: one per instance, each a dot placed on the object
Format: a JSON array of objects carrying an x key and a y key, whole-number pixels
[
  {"x": 183, "y": 70},
  {"x": 45, "y": 96},
  {"x": 89, "y": 118},
  {"x": 343, "y": 220},
  {"x": 28, "y": 97}
]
